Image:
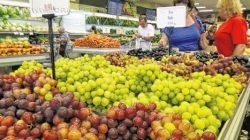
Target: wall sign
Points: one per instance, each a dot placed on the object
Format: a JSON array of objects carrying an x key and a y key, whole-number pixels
[
  {"x": 171, "y": 16},
  {"x": 43, "y": 7}
]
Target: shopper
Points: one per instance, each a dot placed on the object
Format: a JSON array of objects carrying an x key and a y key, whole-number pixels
[
  {"x": 93, "y": 29},
  {"x": 145, "y": 34},
  {"x": 210, "y": 35},
  {"x": 63, "y": 40},
  {"x": 231, "y": 37},
  {"x": 187, "y": 38}
]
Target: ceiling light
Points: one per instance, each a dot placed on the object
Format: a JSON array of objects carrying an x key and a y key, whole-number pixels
[
  {"x": 201, "y": 7},
  {"x": 206, "y": 10}
]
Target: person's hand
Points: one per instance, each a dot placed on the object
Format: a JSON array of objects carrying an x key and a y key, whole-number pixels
[{"x": 162, "y": 43}]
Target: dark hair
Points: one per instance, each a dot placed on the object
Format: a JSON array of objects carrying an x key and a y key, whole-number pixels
[
  {"x": 190, "y": 3},
  {"x": 143, "y": 17},
  {"x": 93, "y": 28}
]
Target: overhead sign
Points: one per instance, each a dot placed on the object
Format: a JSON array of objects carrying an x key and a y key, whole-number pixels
[
  {"x": 43, "y": 7},
  {"x": 171, "y": 16}
]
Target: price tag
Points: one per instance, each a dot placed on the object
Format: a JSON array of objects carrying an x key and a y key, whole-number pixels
[
  {"x": 31, "y": 33},
  {"x": 43, "y": 7},
  {"x": 119, "y": 31},
  {"x": 106, "y": 30},
  {"x": 15, "y": 33},
  {"x": 171, "y": 16},
  {"x": 21, "y": 33},
  {"x": 123, "y": 31}
]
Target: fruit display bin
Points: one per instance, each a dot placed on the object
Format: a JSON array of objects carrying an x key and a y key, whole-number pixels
[
  {"x": 17, "y": 60},
  {"x": 87, "y": 50},
  {"x": 232, "y": 127}
]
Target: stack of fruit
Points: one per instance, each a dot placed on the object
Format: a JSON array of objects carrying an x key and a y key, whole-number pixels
[
  {"x": 124, "y": 39},
  {"x": 29, "y": 116},
  {"x": 13, "y": 12},
  {"x": 36, "y": 82},
  {"x": 20, "y": 46},
  {"x": 203, "y": 102},
  {"x": 156, "y": 53},
  {"x": 97, "y": 41}
]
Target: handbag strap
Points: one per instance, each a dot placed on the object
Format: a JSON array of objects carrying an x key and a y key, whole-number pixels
[{"x": 197, "y": 24}]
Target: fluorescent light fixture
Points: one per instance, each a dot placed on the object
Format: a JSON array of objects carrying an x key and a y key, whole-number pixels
[
  {"x": 201, "y": 7},
  {"x": 206, "y": 10},
  {"x": 196, "y": 4}
]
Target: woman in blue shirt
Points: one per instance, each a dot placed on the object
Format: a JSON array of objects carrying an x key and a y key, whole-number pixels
[{"x": 185, "y": 38}]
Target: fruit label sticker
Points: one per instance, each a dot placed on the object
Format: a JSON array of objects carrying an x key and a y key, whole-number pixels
[
  {"x": 171, "y": 16},
  {"x": 43, "y": 7}
]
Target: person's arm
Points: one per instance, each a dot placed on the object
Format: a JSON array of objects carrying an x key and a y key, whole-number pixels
[
  {"x": 163, "y": 41},
  {"x": 239, "y": 49},
  {"x": 150, "y": 38},
  {"x": 203, "y": 41},
  {"x": 151, "y": 34}
]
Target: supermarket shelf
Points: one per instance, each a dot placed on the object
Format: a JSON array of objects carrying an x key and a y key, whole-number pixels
[
  {"x": 45, "y": 33},
  {"x": 111, "y": 27},
  {"x": 17, "y": 60},
  {"x": 14, "y": 3},
  {"x": 232, "y": 128},
  {"x": 96, "y": 50},
  {"x": 115, "y": 17},
  {"x": 15, "y": 33},
  {"x": 24, "y": 33}
]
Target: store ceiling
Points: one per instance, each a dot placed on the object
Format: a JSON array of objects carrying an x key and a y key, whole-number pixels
[{"x": 210, "y": 4}]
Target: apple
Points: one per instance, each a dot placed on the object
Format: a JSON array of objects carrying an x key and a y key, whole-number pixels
[
  {"x": 35, "y": 132},
  {"x": 62, "y": 125},
  {"x": 83, "y": 113},
  {"x": 63, "y": 133},
  {"x": 57, "y": 120},
  {"x": 44, "y": 127},
  {"x": 50, "y": 135},
  {"x": 74, "y": 134},
  {"x": 27, "y": 117},
  {"x": 208, "y": 136},
  {"x": 24, "y": 133},
  {"x": 3, "y": 130},
  {"x": 7, "y": 121}
]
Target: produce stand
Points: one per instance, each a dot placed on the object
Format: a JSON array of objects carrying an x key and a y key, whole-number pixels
[
  {"x": 86, "y": 50},
  {"x": 17, "y": 60}
]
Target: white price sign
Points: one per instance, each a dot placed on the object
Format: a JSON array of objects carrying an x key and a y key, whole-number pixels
[
  {"x": 43, "y": 7},
  {"x": 171, "y": 16},
  {"x": 74, "y": 22},
  {"x": 106, "y": 30}
]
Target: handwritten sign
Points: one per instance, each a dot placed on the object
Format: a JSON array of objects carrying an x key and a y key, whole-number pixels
[
  {"x": 171, "y": 16},
  {"x": 43, "y": 7}
]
